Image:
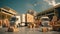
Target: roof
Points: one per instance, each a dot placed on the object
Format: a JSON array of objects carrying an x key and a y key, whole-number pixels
[{"x": 49, "y": 10}]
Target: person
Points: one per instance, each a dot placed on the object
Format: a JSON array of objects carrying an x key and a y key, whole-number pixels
[
  {"x": 54, "y": 20},
  {"x": 0, "y": 23},
  {"x": 6, "y": 22}
]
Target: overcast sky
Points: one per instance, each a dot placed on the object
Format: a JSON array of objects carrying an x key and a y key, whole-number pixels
[{"x": 22, "y": 6}]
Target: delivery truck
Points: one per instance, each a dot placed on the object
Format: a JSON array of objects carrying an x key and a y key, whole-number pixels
[{"x": 15, "y": 20}]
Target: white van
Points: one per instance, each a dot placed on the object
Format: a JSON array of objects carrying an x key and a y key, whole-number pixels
[
  {"x": 45, "y": 21},
  {"x": 18, "y": 22}
]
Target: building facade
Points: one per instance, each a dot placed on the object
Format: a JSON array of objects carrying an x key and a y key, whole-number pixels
[
  {"x": 7, "y": 13},
  {"x": 51, "y": 12}
]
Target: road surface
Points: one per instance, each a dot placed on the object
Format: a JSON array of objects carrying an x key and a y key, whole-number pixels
[{"x": 25, "y": 30}]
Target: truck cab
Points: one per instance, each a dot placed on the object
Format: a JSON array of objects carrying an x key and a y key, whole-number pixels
[
  {"x": 45, "y": 21},
  {"x": 15, "y": 20}
]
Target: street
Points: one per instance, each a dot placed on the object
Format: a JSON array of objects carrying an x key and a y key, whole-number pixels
[{"x": 25, "y": 30}]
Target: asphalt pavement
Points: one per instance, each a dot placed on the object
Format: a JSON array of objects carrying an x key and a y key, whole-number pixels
[{"x": 25, "y": 30}]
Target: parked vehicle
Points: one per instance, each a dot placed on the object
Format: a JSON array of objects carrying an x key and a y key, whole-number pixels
[
  {"x": 44, "y": 21},
  {"x": 22, "y": 24},
  {"x": 15, "y": 20}
]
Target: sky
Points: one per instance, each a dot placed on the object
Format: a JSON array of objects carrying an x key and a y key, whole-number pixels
[{"x": 22, "y": 6}]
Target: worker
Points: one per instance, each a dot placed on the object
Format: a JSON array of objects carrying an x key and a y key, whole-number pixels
[
  {"x": 6, "y": 22},
  {"x": 0, "y": 23}
]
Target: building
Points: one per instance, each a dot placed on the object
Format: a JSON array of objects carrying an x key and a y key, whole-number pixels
[
  {"x": 5, "y": 15},
  {"x": 54, "y": 15},
  {"x": 32, "y": 12},
  {"x": 51, "y": 12},
  {"x": 7, "y": 12}
]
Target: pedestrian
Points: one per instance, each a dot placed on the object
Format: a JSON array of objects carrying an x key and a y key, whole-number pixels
[
  {"x": 0, "y": 23},
  {"x": 6, "y": 22}
]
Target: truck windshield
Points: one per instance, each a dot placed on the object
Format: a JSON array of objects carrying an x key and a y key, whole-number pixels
[{"x": 45, "y": 19}]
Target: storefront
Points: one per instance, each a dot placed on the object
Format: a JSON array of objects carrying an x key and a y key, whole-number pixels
[{"x": 5, "y": 15}]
